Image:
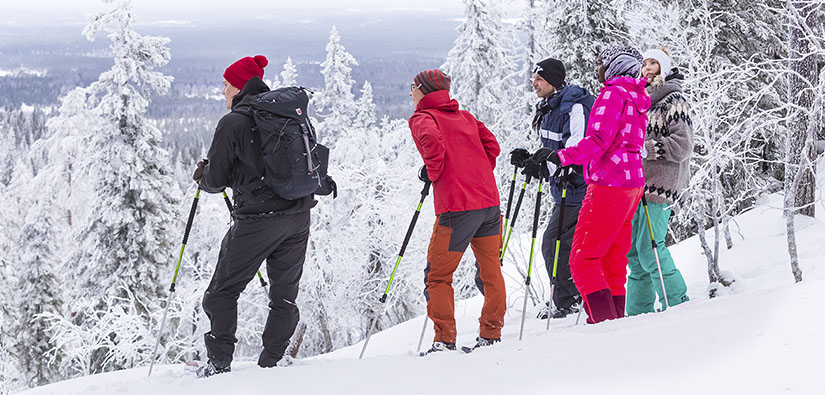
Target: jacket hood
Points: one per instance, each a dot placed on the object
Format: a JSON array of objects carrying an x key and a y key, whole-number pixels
[
  {"x": 438, "y": 100},
  {"x": 675, "y": 74},
  {"x": 636, "y": 89},
  {"x": 253, "y": 87},
  {"x": 659, "y": 88},
  {"x": 568, "y": 94}
]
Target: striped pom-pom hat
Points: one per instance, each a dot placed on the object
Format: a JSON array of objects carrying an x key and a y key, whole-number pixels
[{"x": 432, "y": 80}]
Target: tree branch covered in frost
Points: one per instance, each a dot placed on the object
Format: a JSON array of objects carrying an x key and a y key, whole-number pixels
[{"x": 112, "y": 338}]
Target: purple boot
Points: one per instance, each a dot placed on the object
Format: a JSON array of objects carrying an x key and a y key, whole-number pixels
[
  {"x": 618, "y": 304},
  {"x": 599, "y": 306}
]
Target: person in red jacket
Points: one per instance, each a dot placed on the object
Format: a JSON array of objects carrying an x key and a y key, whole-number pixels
[{"x": 459, "y": 155}]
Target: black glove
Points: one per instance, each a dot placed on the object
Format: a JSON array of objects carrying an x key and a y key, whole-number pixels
[
  {"x": 199, "y": 170},
  {"x": 518, "y": 156},
  {"x": 422, "y": 174},
  {"x": 544, "y": 154},
  {"x": 547, "y": 154},
  {"x": 531, "y": 168}
]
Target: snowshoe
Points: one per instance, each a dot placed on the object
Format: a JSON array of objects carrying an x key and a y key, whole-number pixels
[
  {"x": 439, "y": 346},
  {"x": 556, "y": 312},
  {"x": 480, "y": 342},
  {"x": 206, "y": 370}
]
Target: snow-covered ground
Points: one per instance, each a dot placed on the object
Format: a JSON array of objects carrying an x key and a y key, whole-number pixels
[{"x": 764, "y": 337}]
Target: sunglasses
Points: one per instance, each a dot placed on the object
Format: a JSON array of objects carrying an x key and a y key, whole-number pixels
[{"x": 413, "y": 87}]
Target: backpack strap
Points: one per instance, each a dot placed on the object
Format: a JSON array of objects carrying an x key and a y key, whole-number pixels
[{"x": 255, "y": 192}]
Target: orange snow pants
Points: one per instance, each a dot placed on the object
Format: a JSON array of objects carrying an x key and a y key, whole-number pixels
[{"x": 452, "y": 233}]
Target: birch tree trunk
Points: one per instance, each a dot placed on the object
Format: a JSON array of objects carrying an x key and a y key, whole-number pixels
[{"x": 800, "y": 176}]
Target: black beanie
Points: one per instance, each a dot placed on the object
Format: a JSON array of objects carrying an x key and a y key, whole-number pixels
[{"x": 552, "y": 70}]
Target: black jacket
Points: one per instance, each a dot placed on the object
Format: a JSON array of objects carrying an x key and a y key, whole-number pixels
[{"x": 235, "y": 160}]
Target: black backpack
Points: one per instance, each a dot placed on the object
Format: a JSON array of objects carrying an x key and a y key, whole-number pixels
[{"x": 295, "y": 164}]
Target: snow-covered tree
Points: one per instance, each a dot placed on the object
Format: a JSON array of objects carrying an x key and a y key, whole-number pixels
[
  {"x": 125, "y": 241},
  {"x": 289, "y": 75},
  {"x": 349, "y": 262},
  {"x": 482, "y": 69},
  {"x": 578, "y": 31},
  {"x": 805, "y": 46},
  {"x": 40, "y": 289},
  {"x": 365, "y": 109},
  {"x": 335, "y": 104},
  {"x": 732, "y": 87}
]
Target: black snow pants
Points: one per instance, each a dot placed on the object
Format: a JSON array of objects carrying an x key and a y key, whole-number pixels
[
  {"x": 565, "y": 294},
  {"x": 281, "y": 240}
]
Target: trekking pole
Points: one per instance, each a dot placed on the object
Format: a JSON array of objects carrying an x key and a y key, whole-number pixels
[
  {"x": 424, "y": 192},
  {"x": 655, "y": 251},
  {"x": 175, "y": 277},
  {"x": 515, "y": 216},
  {"x": 423, "y": 329},
  {"x": 559, "y": 230},
  {"x": 542, "y": 168},
  {"x": 229, "y": 206}
]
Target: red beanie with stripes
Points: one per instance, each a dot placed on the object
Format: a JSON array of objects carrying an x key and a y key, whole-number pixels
[{"x": 432, "y": 80}]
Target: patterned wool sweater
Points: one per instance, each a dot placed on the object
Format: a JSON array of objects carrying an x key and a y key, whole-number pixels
[{"x": 669, "y": 142}]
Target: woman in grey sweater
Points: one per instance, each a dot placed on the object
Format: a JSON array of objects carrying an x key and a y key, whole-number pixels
[{"x": 669, "y": 144}]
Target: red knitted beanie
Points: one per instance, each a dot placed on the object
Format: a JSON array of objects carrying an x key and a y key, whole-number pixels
[
  {"x": 432, "y": 80},
  {"x": 243, "y": 70}
]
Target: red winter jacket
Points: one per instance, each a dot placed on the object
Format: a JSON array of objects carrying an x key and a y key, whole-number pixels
[{"x": 460, "y": 154}]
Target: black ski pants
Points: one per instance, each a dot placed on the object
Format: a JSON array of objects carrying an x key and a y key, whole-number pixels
[
  {"x": 565, "y": 294},
  {"x": 281, "y": 240}
]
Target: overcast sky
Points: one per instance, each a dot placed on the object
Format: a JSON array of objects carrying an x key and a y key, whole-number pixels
[{"x": 38, "y": 12}]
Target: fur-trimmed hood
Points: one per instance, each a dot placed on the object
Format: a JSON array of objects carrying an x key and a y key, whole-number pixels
[{"x": 660, "y": 87}]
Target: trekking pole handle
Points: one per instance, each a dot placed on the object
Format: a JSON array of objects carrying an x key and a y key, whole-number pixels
[{"x": 426, "y": 190}]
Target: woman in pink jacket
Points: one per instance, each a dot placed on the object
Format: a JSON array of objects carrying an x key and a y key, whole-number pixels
[{"x": 611, "y": 155}]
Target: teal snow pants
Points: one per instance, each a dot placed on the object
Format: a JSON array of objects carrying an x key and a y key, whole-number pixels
[{"x": 643, "y": 283}]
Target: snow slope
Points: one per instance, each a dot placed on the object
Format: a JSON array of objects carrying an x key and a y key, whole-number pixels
[{"x": 765, "y": 336}]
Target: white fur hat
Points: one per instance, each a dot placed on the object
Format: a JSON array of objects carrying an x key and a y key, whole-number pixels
[{"x": 661, "y": 57}]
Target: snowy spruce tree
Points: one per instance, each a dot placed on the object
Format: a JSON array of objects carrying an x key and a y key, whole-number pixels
[
  {"x": 578, "y": 31},
  {"x": 481, "y": 66},
  {"x": 365, "y": 117},
  {"x": 41, "y": 291},
  {"x": 335, "y": 104},
  {"x": 289, "y": 74},
  {"x": 124, "y": 244}
]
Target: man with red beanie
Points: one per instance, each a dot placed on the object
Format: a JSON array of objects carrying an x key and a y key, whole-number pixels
[
  {"x": 459, "y": 155},
  {"x": 265, "y": 227}
]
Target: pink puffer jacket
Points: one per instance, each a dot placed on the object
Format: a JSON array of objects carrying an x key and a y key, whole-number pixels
[{"x": 611, "y": 150}]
